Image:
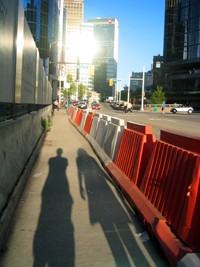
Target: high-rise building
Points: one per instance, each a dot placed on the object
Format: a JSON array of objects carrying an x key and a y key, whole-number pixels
[
  {"x": 74, "y": 19},
  {"x": 42, "y": 17},
  {"x": 47, "y": 21},
  {"x": 181, "y": 65},
  {"x": 136, "y": 81},
  {"x": 86, "y": 53},
  {"x": 37, "y": 16},
  {"x": 106, "y": 34}
]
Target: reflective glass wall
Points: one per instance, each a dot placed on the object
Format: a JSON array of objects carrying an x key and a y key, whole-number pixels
[{"x": 182, "y": 30}]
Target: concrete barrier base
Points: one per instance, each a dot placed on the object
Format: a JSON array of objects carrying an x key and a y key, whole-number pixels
[{"x": 191, "y": 259}]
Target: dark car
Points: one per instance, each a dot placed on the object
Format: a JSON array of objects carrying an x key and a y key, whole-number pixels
[
  {"x": 118, "y": 105},
  {"x": 96, "y": 106}
]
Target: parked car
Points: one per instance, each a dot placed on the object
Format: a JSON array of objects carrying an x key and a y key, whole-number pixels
[
  {"x": 82, "y": 105},
  {"x": 95, "y": 106},
  {"x": 75, "y": 103},
  {"x": 119, "y": 105},
  {"x": 182, "y": 108}
]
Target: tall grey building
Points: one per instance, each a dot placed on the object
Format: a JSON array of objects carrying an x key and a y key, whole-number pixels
[{"x": 106, "y": 35}]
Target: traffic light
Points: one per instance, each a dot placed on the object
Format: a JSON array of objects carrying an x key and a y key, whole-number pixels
[{"x": 111, "y": 82}]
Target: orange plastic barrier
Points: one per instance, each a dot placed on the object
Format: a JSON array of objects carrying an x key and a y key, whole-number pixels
[
  {"x": 161, "y": 180},
  {"x": 71, "y": 112},
  {"x": 78, "y": 117},
  {"x": 185, "y": 142},
  {"x": 171, "y": 184},
  {"x": 134, "y": 151},
  {"x": 88, "y": 122},
  {"x": 140, "y": 128},
  {"x": 173, "y": 248}
]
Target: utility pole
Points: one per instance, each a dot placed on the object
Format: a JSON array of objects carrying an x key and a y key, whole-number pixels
[
  {"x": 142, "y": 98},
  {"x": 128, "y": 94}
]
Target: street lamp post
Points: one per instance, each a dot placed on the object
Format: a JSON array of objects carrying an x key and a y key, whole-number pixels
[
  {"x": 128, "y": 94},
  {"x": 142, "y": 98}
]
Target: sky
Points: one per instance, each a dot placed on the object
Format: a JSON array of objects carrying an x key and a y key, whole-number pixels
[{"x": 141, "y": 30}]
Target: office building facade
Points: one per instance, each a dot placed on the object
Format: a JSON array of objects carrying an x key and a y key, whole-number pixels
[
  {"x": 74, "y": 19},
  {"x": 181, "y": 64},
  {"x": 86, "y": 67},
  {"x": 36, "y": 13},
  {"x": 47, "y": 20},
  {"x": 43, "y": 17},
  {"x": 106, "y": 35},
  {"x": 157, "y": 71}
]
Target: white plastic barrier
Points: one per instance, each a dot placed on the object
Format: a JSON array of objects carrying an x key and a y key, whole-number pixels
[
  {"x": 112, "y": 137},
  {"x": 95, "y": 123},
  {"x": 101, "y": 129},
  {"x": 83, "y": 121}
]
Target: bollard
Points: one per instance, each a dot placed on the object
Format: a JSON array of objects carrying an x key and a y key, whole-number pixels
[{"x": 155, "y": 109}]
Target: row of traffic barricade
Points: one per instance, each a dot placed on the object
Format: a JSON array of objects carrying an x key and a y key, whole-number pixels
[{"x": 159, "y": 178}]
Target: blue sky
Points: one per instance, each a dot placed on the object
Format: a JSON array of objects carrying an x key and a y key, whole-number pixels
[{"x": 141, "y": 30}]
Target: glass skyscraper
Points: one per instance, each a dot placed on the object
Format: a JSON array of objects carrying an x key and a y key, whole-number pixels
[
  {"x": 43, "y": 17},
  {"x": 106, "y": 34},
  {"x": 37, "y": 16},
  {"x": 182, "y": 51}
]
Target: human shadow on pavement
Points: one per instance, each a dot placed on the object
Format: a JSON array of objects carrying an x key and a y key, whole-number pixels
[
  {"x": 106, "y": 209},
  {"x": 54, "y": 237}
]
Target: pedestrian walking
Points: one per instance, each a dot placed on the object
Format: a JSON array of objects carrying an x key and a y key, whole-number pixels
[
  {"x": 128, "y": 107},
  {"x": 125, "y": 107},
  {"x": 163, "y": 107}
]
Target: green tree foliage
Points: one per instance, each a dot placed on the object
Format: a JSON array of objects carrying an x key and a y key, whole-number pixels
[
  {"x": 72, "y": 89},
  {"x": 81, "y": 90},
  {"x": 64, "y": 92},
  {"x": 89, "y": 94},
  {"x": 158, "y": 96},
  {"x": 69, "y": 78}
]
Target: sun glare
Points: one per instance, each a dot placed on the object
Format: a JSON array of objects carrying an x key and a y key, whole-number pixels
[{"x": 83, "y": 47}]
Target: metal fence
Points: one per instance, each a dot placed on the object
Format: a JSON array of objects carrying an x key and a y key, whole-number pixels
[{"x": 9, "y": 111}]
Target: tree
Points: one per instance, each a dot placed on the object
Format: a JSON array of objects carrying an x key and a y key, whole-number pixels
[
  {"x": 64, "y": 92},
  {"x": 89, "y": 94},
  {"x": 158, "y": 96},
  {"x": 81, "y": 91},
  {"x": 72, "y": 89},
  {"x": 69, "y": 78}
]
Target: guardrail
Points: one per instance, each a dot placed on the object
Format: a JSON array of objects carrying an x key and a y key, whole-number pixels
[{"x": 159, "y": 178}]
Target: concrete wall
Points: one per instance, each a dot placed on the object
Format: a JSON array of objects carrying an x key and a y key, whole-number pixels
[
  {"x": 20, "y": 141},
  {"x": 20, "y": 61}
]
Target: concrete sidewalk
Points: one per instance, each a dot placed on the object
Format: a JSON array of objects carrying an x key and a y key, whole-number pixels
[{"x": 71, "y": 214}]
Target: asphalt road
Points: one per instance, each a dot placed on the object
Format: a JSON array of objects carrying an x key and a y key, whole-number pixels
[{"x": 183, "y": 123}]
